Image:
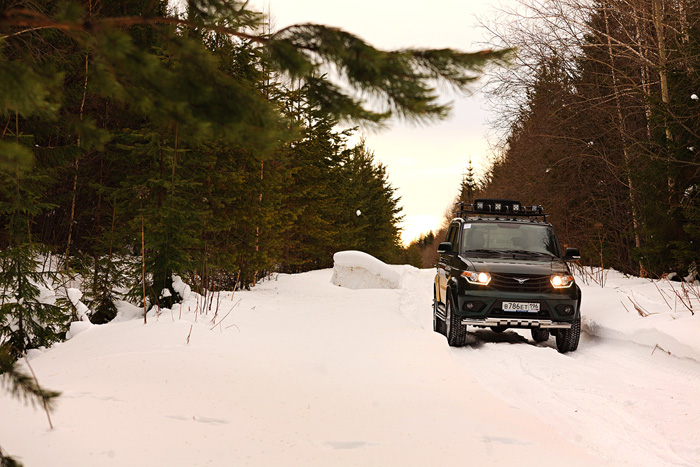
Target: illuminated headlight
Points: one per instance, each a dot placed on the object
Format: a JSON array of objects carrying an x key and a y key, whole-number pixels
[
  {"x": 561, "y": 281},
  {"x": 479, "y": 278},
  {"x": 497, "y": 206},
  {"x": 479, "y": 206},
  {"x": 516, "y": 207}
]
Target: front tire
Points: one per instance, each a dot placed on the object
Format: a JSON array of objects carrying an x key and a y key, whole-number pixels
[
  {"x": 455, "y": 331},
  {"x": 539, "y": 335},
  {"x": 567, "y": 339}
]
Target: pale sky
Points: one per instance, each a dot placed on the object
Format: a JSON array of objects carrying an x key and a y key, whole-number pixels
[{"x": 424, "y": 163}]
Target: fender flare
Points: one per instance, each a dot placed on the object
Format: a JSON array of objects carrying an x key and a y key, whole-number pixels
[{"x": 453, "y": 288}]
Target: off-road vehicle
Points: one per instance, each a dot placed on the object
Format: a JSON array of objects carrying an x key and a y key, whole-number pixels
[{"x": 501, "y": 266}]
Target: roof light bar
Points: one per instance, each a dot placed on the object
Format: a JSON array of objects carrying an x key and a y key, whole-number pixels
[{"x": 500, "y": 208}]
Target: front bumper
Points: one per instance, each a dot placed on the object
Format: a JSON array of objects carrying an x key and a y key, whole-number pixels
[
  {"x": 516, "y": 323},
  {"x": 484, "y": 308}
]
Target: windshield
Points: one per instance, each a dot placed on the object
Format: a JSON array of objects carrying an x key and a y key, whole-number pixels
[{"x": 534, "y": 239}]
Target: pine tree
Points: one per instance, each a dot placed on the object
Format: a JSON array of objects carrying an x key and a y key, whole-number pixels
[
  {"x": 25, "y": 321},
  {"x": 469, "y": 186},
  {"x": 370, "y": 209},
  {"x": 126, "y": 98},
  {"x": 313, "y": 194}
]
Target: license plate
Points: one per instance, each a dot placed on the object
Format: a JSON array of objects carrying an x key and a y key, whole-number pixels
[{"x": 521, "y": 306}]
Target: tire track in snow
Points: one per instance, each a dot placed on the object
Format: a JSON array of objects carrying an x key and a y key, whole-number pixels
[{"x": 615, "y": 398}]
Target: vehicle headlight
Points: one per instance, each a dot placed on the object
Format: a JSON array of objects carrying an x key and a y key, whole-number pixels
[
  {"x": 561, "y": 281},
  {"x": 479, "y": 278}
]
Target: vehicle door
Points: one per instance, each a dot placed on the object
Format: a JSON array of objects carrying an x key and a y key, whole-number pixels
[{"x": 447, "y": 261}]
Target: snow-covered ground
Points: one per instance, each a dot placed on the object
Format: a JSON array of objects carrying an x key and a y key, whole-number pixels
[{"x": 305, "y": 372}]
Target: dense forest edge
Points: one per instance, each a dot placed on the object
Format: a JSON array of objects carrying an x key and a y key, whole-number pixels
[
  {"x": 599, "y": 121},
  {"x": 140, "y": 145}
]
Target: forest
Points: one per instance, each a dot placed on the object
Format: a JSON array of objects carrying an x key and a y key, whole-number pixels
[
  {"x": 141, "y": 143},
  {"x": 599, "y": 122}
]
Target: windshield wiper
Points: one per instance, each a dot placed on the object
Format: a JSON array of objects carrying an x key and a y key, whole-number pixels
[
  {"x": 484, "y": 250},
  {"x": 533, "y": 253}
]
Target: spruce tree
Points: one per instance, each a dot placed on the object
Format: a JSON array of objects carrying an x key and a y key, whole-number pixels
[
  {"x": 126, "y": 98},
  {"x": 469, "y": 186},
  {"x": 370, "y": 210},
  {"x": 25, "y": 321}
]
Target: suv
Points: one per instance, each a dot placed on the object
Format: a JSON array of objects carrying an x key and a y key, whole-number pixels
[{"x": 501, "y": 267}]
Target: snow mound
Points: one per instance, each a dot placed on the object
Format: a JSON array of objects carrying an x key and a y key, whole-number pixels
[
  {"x": 74, "y": 295},
  {"x": 358, "y": 270},
  {"x": 180, "y": 287},
  {"x": 76, "y": 327}
]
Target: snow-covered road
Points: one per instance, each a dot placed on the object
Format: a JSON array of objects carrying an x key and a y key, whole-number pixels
[
  {"x": 303, "y": 372},
  {"x": 627, "y": 403},
  {"x": 615, "y": 399}
]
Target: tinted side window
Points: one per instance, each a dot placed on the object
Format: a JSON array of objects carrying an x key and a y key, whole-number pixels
[{"x": 452, "y": 236}]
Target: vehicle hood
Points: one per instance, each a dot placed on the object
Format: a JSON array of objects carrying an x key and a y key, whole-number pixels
[{"x": 517, "y": 266}]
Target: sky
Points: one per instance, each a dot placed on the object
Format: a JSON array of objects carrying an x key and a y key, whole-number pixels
[{"x": 424, "y": 163}]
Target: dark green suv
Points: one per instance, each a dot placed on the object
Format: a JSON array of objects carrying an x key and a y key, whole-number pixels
[{"x": 501, "y": 267}]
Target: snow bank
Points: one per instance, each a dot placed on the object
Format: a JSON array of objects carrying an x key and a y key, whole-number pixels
[
  {"x": 654, "y": 313},
  {"x": 358, "y": 270}
]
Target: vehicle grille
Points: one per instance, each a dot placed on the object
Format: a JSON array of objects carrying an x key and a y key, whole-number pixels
[{"x": 508, "y": 283}]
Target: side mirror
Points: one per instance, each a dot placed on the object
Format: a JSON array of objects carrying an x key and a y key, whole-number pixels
[
  {"x": 572, "y": 254},
  {"x": 445, "y": 247}
]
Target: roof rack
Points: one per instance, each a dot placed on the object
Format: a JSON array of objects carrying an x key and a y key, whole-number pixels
[{"x": 500, "y": 209}]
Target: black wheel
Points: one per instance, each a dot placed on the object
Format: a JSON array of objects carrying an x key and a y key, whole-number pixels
[
  {"x": 499, "y": 329},
  {"x": 567, "y": 339},
  {"x": 438, "y": 324},
  {"x": 455, "y": 331},
  {"x": 539, "y": 335}
]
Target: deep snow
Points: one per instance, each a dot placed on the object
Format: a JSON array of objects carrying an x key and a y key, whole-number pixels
[{"x": 304, "y": 372}]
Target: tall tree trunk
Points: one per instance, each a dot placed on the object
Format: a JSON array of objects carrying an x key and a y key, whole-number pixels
[
  {"x": 641, "y": 40},
  {"x": 257, "y": 227},
  {"x": 685, "y": 25},
  {"x": 172, "y": 177},
  {"x": 71, "y": 219},
  {"x": 658, "y": 15},
  {"x": 623, "y": 137},
  {"x": 663, "y": 72}
]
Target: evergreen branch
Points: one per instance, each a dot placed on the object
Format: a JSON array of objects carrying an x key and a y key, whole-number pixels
[
  {"x": 405, "y": 79},
  {"x": 25, "y": 18},
  {"x": 7, "y": 461},
  {"x": 451, "y": 65},
  {"x": 23, "y": 386},
  {"x": 327, "y": 95},
  {"x": 24, "y": 31}
]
